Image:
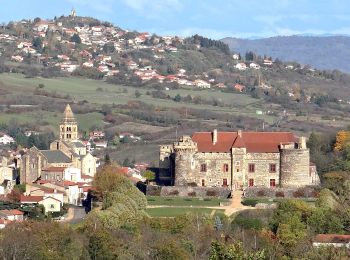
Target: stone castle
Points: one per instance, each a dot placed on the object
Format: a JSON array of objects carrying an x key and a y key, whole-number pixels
[
  {"x": 67, "y": 151},
  {"x": 238, "y": 160}
]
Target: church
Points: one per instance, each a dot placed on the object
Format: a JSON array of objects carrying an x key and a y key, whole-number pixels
[{"x": 66, "y": 152}]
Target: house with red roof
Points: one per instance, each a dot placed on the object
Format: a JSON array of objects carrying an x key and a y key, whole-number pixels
[
  {"x": 11, "y": 214},
  {"x": 239, "y": 160},
  {"x": 334, "y": 240}
]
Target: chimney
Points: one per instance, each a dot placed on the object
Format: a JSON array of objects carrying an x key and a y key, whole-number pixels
[
  {"x": 302, "y": 142},
  {"x": 215, "y": 136},
  {"x": 239, "y": 132}
]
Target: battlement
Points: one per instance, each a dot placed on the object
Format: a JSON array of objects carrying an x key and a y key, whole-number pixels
[{"x": 185, "y": 143}]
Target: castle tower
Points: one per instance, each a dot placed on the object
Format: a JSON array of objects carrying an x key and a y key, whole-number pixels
[
  {"x": 68, "y": 126},
  {"x": 184, "y": 150},
  {"x": 295, "y": 164}
]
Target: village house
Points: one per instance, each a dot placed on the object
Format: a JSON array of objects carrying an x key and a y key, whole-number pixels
[
  {"x": 241, "y": 66},
  {"x": 333, "y": 240},
  {"x": 239, "y": 87},
  {"x": 254, "y": 66},
  {"x": 238, "y": 160},
  {"x": 201, "y": 83},
  {"x": 11, "y": 214},
  {"x": 50, "y": 204},
  {"x": 6, "y": 139}
]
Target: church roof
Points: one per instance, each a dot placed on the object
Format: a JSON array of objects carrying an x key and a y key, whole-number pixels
[
  {"x": 55, "y": 156},
  {"x": 68, "y": 116},
  {"x": 254, "y": 142}
]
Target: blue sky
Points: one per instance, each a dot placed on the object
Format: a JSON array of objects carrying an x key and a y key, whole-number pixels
[{"x": 211, "y": 18}]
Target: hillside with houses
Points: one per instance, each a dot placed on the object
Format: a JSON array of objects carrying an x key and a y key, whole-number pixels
[{"x": 85, "y": 47}]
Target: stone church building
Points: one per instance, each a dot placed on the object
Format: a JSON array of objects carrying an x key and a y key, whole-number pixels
[
  {"x": 238, "y": 160},
  {"x": 67, "y": 151}
]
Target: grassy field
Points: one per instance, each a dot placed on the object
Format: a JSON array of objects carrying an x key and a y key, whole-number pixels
[
  {"x": 52, "y": 119},
  {"x": 173, "y": 211},
  {"x": 178, "y": 201},
  {"x": 85, "y": 89}
]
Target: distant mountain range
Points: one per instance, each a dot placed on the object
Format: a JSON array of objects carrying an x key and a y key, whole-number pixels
[{"x": 322, "y": 52}]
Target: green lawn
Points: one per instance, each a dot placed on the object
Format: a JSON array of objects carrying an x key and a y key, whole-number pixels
[
  {"x": 178, "y": 201},
  {"x": 173, "y": 212}
]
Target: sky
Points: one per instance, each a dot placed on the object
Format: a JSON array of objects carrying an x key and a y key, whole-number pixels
[{"x": 211, "y": 18}]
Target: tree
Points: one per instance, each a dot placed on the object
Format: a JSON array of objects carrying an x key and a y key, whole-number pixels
[
  {"x": 75, "y": 38},
  {"x": 37, "y": 43},
  {"x": 342, "y": 139},
  {"x": 137, "y": 94},
  {"x": 149, "y": 175},
  {"x": 177, "y": 98},
  {"x": 221, "y": 251}
]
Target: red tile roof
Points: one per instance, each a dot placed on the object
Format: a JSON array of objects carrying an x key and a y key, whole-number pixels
[
  {"x": 12, "y": 212},
  {"x": 254, "y": 142},
  {"x": 332, "y": 238},
  {"x": 31, "y": 199}
]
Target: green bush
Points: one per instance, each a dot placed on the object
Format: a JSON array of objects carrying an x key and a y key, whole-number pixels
[{"x": 250, "y": 202}]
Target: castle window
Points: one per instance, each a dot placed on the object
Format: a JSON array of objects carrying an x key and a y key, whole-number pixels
[
  {"x": 272, "y": 183},
  {"x": 203, "y": 167},
  {"x": 224, "y": 182},
  {"x": 203, "y": 182},
  {"x": 225, "y": 167},
  {"x": 272, "y": 167},
  {"x": 251, "y": 167},
  {"x": 251, "y": 182},
  {"x": 237, "y": 169},
  {"x": 237, "y": 163}
]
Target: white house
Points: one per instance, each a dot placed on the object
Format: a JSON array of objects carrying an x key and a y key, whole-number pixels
[
  {"x": 72, "y": 174},
  {"x": 254, "y": 66},
  {"x": 241, "y": 66},
  {"x": 201, "y": 83},
  {"x": 235, "y": 56},
  {"x": 6, "y": 139}
]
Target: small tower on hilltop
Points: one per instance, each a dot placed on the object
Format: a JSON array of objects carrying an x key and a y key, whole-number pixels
[
  {"x": 73, "y": 13},
  {"x": 68, "y": 126}
]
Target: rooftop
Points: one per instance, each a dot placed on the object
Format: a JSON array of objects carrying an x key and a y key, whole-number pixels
[
  {"x": 254, "y": 142},
  {"x": 55, "y": 156}
]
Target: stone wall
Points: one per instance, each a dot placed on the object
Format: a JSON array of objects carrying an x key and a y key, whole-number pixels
[{"x": 262, "y": 174}]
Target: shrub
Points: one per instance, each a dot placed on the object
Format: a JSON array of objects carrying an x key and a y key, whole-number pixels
[
  {"x": 261, "y": 193},
  {"x": 192, "y": 194},
  {"x": 211, "y": 193},
  {"x": 250, "y": 202},
  {"x": 206, "y": 199},
  {"x": 174, "y": 192},
  {"x": 299, "y": 193},
  {"x": 279, "y": 194}
]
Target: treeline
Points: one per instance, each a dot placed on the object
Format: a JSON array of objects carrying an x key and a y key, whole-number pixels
[{"x": 208, "y": 43}]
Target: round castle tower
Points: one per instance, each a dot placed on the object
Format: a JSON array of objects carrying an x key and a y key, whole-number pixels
[
  {"x": 184, "y": 150},
  {"x": 295, "y": 164}
]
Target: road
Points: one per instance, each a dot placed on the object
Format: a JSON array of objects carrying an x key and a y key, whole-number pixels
[{"x": 75, "y": 215}]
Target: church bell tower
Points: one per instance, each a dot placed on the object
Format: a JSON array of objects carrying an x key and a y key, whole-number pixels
[{"x": 68, "y": 126}]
